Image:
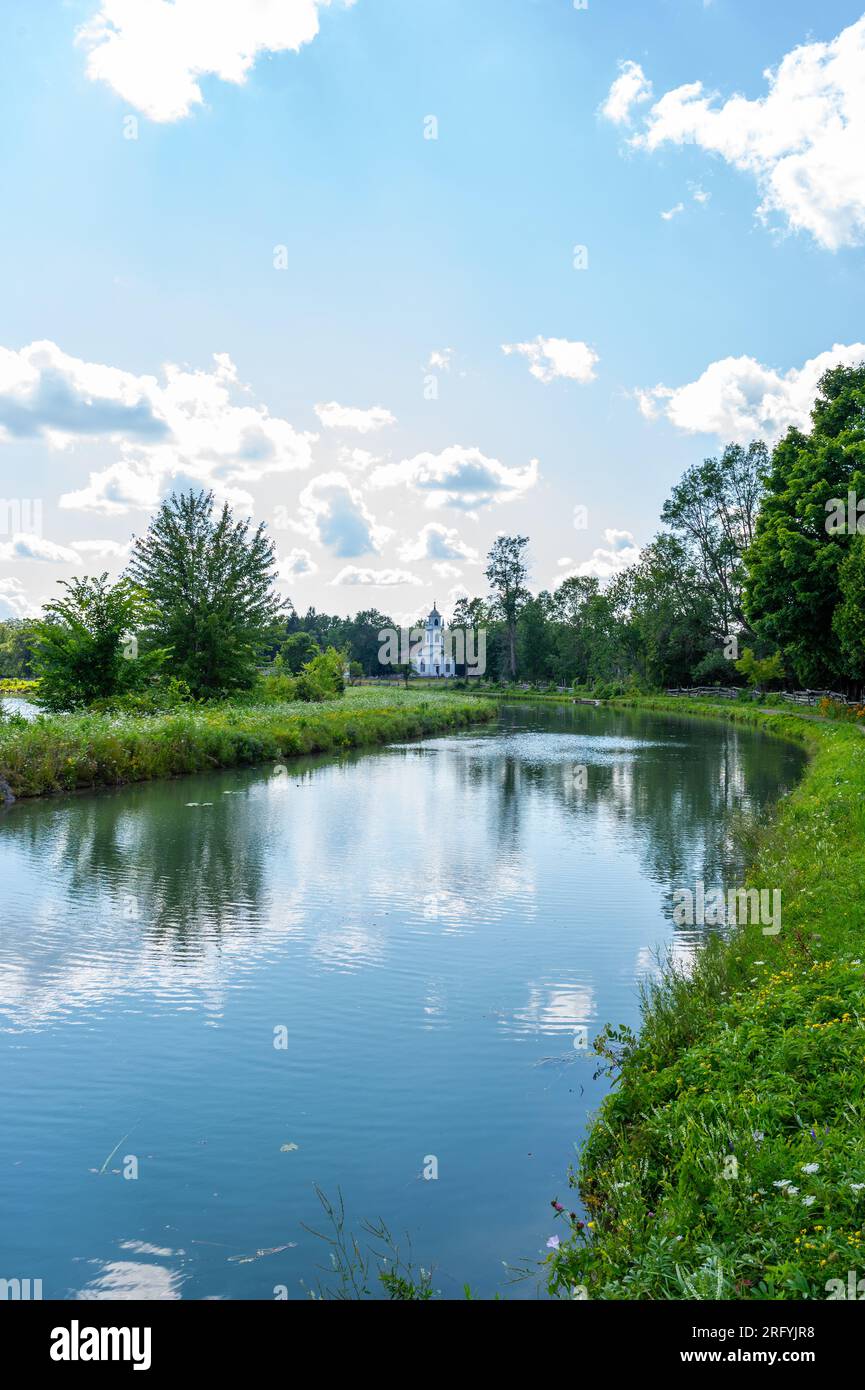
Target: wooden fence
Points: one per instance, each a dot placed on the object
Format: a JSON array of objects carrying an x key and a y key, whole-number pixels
[{"x": 795, "y": 697}]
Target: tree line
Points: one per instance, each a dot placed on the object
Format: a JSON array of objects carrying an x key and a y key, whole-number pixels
[{"x": 757, "y": 575}]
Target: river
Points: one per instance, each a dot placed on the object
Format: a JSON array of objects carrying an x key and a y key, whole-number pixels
[{"x": 368, "y": 974}]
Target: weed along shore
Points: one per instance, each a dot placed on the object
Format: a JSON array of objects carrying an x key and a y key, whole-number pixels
[
  {"x": 68, "y": 752},
  {"x": 728, "y": 1161}
]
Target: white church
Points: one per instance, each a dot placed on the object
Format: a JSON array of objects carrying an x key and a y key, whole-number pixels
[{"x": 429, "y": 658}]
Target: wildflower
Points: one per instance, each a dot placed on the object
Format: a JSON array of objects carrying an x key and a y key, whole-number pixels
[
  {"x": 553, "y": 1243},
  {"x": 857, "y": 1186},
  {"x": 808, "y": 1201},
  {"x": 556, "y": 1206},
  {"x": 782, "y": 1182},
  {"x": 758, "y": 1136},
  {"x": 810, "y": 1167}
]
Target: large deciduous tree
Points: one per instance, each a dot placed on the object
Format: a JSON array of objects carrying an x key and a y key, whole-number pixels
[
  {"x": 506, "y": 573},
  {"x": 714, "y": 511},
  {"x": 797, "y": 576},
  {"x": 86, "y": 644},
  {"x": 210, "y": 582}
]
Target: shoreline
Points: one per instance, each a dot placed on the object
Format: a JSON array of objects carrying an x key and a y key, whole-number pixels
[
  {"x": 728, "y": 1160},
  {"x": 88, "y": 752}
]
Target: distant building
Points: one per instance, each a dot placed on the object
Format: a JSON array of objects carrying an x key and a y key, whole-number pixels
[{"x": 430, "y": 658}]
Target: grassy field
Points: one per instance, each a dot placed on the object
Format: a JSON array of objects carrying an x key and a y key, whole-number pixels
[
  {"x": 728, "y": 1161},
  {"x": 68, "y": 752}
]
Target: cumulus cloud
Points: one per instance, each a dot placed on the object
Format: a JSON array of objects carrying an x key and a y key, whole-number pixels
[
  {"x": 802, "y": 141},
  {"x": 346, "y": 417},
  {"x": 457, "y": 477},
  {"x": 378, "y": 579},
  {"x": 358, "y": 460},
  {"x": 186, "y": 426},
  {"x": 438, "y": 542},
  {"x": 152, "y": 52},
  {"x": 25, "y": 546},
  {"x": 739, "y": 399},
  {"x": 620, "y": 551},
  {"x": 440, "y": 359},
  {"x": 550, "y": 358},
  {"x": 295, "y": 564},
  {"x": 337, "y": 516},
  {"x": 630, "y": 88},
  {"x": 103, "y": 549},
  {"x": 14, "y": 602}
]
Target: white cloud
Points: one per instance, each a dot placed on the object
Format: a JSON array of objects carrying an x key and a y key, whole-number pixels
[
  {"x": 620, "y": 551},
  {"x": 152, "y": 53},
  {"x": 346, "y": 417},
  {"x": 351, "y": 575},
  {"x": 296, "y": 563},
  {"x": 337, "y": 516},
  {"x": 802, "y": 142},
  {"x": 458, "y": 477},
  {"x": 739, "y": 399},
  {"x": 104, "y": 549},
  {"x": 120, "y": 488},
  {"x": 673, "y": 212},
  {"x": 358, "y": 460},
  {"x": 440, "y": 359},
  {"x": 186, "y": 426},
  {"x": 550, "y": 358},
  {"x": 438, "y": 542},
  {"x": 14, "y": 602},
  {"x": 630, "y": 88},
  {"x": 25, "y": 546},
  {"x": 447, "y": 571}
]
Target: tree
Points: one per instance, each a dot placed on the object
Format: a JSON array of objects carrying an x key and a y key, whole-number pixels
[
  {"x": 760, "y": 672},
  {"x": 296, "y": 650},
  {"x": 849, "y": 618},
  {"x": 671, "y": 613},
  {"x": 87, "y": 646},
  {"x": 506, "y": 573},
  {"x": 17, "y": 649},
  {"x": 714, "y": 510},
  {"x": 535, "y": 638},
  {"x": 794, "y": 565},
  {"x": 210, "y": 584}
]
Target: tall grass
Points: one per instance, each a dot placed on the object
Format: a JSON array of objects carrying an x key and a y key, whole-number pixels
[
  {"x": 68, "y": 752},
  {"x": 728, "y": 1161}
]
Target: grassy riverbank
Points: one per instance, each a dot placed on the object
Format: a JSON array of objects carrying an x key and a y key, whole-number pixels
[
  {"x": 729, "y": 1159},
  {"x": 75, "y": 751}
]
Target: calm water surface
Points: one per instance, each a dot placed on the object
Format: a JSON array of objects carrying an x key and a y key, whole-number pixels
[{"x": 429, "y": 924}]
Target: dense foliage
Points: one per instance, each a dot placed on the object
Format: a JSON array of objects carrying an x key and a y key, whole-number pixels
[{"x": 209, "y": 580}]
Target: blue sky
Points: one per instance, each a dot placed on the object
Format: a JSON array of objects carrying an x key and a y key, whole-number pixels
[{"x": 299, "y": 224}]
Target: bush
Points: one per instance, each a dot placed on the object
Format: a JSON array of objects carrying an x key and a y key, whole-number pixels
[
  {"x": 322, "y": 678},
  {"x": 277, "y": 689}
]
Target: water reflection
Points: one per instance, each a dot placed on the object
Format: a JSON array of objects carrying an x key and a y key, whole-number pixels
[{"x": 428, "y": 925}]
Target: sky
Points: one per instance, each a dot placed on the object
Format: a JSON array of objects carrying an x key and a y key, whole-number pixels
[{"x": 398, "y": 277}]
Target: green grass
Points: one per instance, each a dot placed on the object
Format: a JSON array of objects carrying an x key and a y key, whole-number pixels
[
  {"x": 747, "y": 1080},
  {"x": 69, "y": 752}
]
